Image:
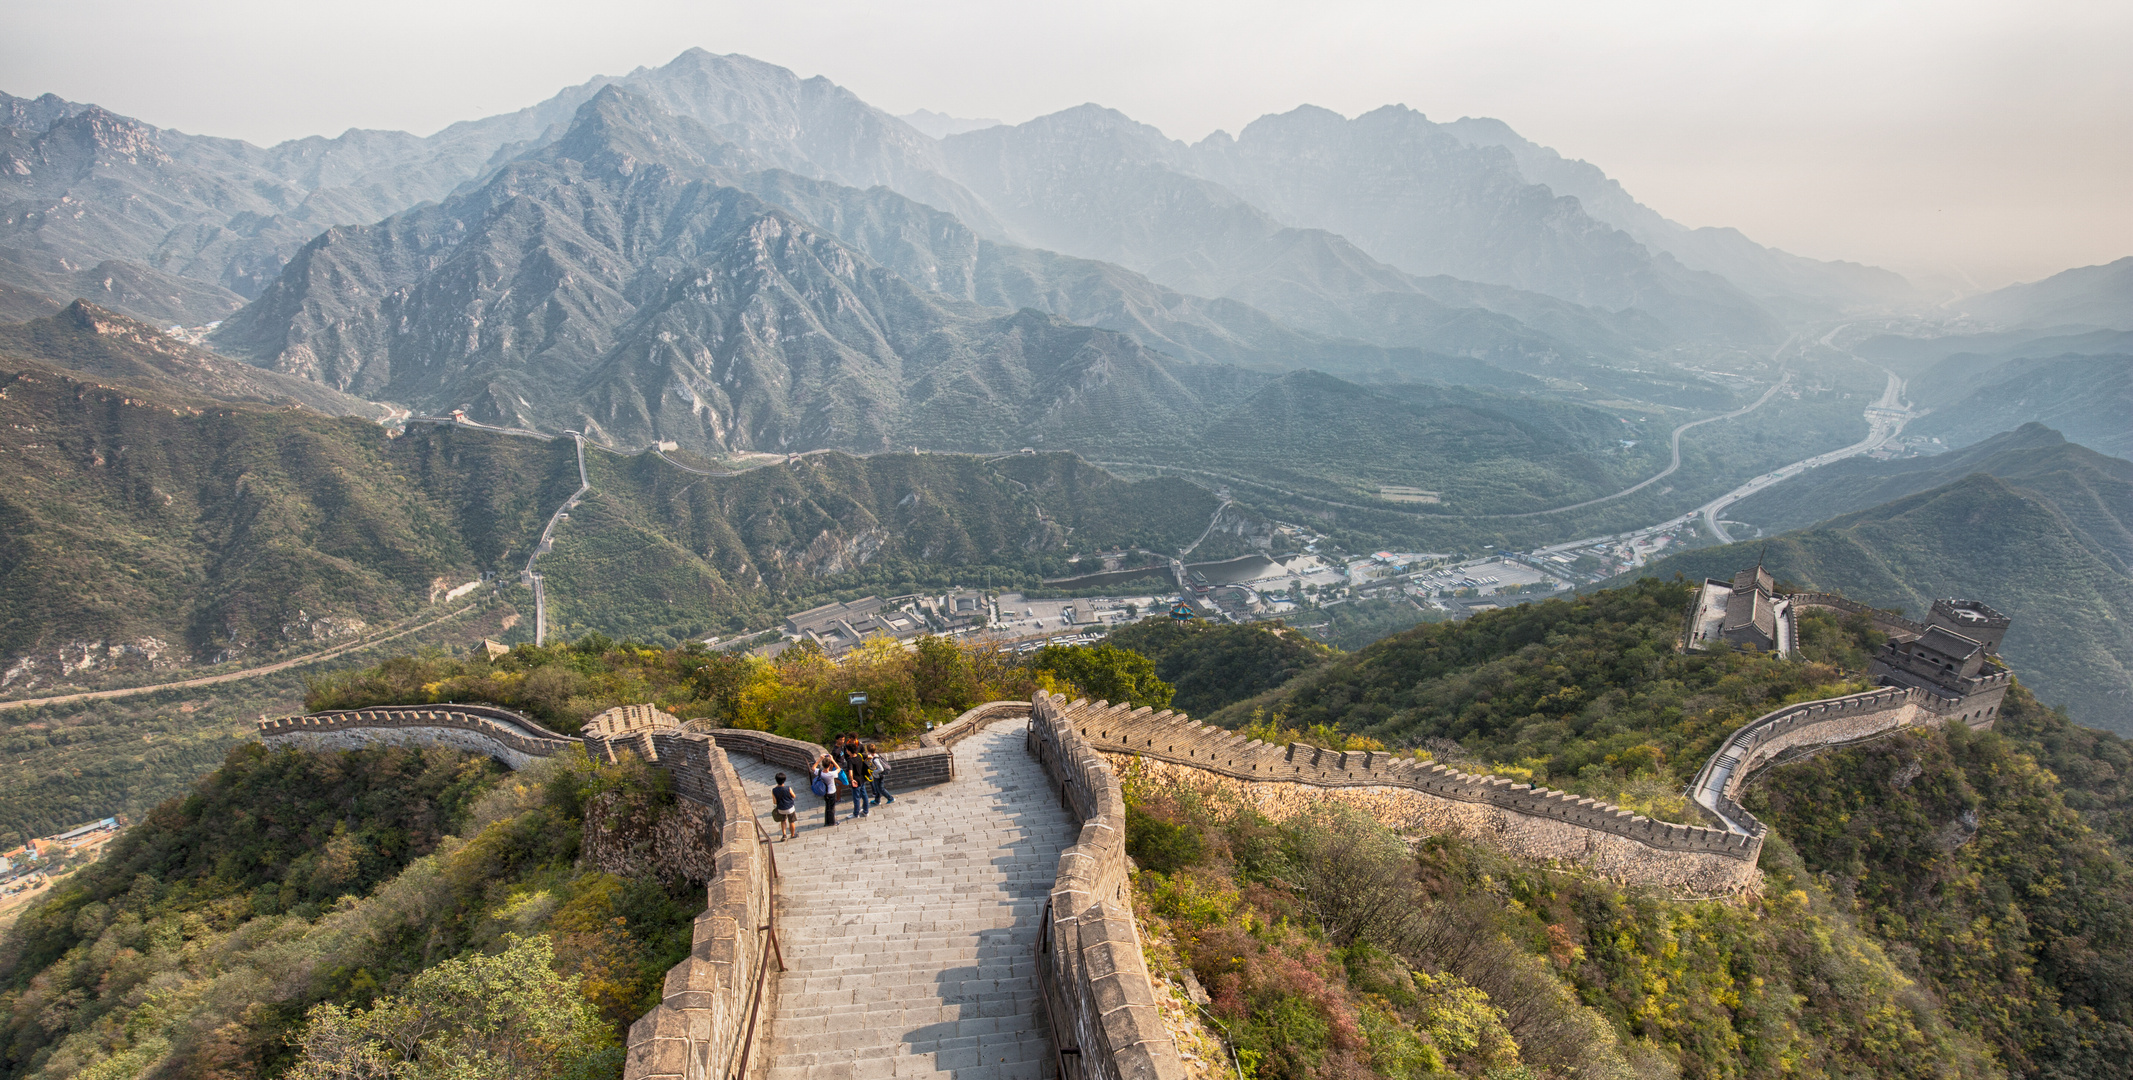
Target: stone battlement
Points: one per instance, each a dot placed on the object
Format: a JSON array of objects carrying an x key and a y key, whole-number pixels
[
  {"x": 1525, "y": 820},
  {"x": 512, "y": 738},
  {"x": 1095, "y": 979},
  {"x": 1169, "y": 736},
  {"x": 1888, "y": 622}
]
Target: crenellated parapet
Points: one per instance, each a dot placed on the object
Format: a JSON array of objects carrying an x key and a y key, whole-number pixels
[
  {"x": 1888, "y": 622},
  {"x": 510, "y": 737},
  {"x": 1828, "y": 722},
  {"x": 1097, "y": 992},
  {"x": 722, "y": 989},
  {"x": 1529, "y": 820}
]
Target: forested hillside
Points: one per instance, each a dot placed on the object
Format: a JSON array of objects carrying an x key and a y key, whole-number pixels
[
  {"x": 1960, "y": 851},
  {"x": 146, "y": 530},
  {"x": 1585, "y": 695},
  {"x": 1213, "y": 665},
  {"x": 2047, "y": 545},
  {"x": 2094, "y": 491},
  {"x": 1977, "y": 925},
  {"x": 1987, "y": 867},
  {"x": 201, "y": 943},
  {"x": 658, "y": 553}
]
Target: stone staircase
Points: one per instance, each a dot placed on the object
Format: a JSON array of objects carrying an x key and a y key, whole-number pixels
[{"x": 909, "y": 935}]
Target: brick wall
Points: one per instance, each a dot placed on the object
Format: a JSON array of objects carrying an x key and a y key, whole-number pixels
[
  {"x": 1095, "y": 980},
  {"x": 716, "y": 1004},
  {"x": 1521, "y": 819},
  {"x": 1828, "y": 722},
  {"x": 509, "y": 737}
]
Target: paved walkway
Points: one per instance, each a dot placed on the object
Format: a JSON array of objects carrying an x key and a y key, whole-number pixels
[{"x": 910, "y": 934}]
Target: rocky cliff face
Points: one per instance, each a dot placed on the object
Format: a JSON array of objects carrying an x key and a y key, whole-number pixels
[{"x": 618, "y": 282}]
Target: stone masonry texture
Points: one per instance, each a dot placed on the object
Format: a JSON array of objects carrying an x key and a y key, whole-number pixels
[{"x": 910, "y": 934}]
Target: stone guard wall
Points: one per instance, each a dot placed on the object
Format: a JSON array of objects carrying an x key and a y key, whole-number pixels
[
  {"x": 717, "y": 998},
  {"x": 509, "y": 737},
  {"x": 1888, "y": 621},
  {"x": 1828, "y": 722},
  {"x": 1101, "y": 1002},
  {"x": 715, "y": 1001},
  {"x": 1521, "y": 819}
]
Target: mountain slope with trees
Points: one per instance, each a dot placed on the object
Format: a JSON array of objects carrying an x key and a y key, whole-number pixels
[
  {"x": 2050, "y": 555},
  {"x": 148, "y": 531}
]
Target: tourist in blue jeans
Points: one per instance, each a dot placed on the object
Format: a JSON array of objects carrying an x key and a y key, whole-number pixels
[
  {"x": 880, "y": 771},
  {"x": 857, "y": 774}
]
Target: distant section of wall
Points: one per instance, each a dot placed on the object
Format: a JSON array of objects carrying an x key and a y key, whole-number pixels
[
  {"x": 1097, "y": 993},
  {"x": 1531, "y": 822},
  {"x": 715, "y": 1001},
  {"x": 512, "y": 738},
  {"x": 1828, "y": 722},
  {"x": 1888, "y": 622},
  {"x": 973, "y": 721}
]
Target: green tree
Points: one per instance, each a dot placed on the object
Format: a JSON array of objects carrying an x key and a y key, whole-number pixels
[
  {"x": 943, "y": 674},
  {"x": 1105, "y": 671},
  {"x": 505, "y": 1016}
]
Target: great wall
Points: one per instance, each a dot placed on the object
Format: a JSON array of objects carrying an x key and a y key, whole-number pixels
[{"x": 1085, "y": 973}]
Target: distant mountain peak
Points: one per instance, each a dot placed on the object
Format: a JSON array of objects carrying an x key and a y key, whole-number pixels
[
  {"x": 104, "y": 132},
  {"x": 942, "y": 125},
  {"x": 618, "y": 130}
]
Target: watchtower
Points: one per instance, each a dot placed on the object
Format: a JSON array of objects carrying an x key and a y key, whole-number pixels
[
  {"x": 1950, "y": 664},
  {"x": 1746, "y": 612},
  {"x": 1971, "y": 619}
]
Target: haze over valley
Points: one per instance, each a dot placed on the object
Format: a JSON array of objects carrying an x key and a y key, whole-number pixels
[{"x": 710, "y": 411}]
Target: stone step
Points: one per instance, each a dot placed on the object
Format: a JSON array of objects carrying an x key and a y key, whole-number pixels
[{"x": 909, "y": 934}]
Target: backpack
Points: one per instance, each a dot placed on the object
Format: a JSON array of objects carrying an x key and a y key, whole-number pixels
[{"x": 820, "y": 785}]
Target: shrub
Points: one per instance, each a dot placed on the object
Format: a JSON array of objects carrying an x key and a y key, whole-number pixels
[{"x": 1159, "y": 845}]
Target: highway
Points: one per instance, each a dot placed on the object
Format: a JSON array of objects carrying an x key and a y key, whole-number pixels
[
  {"x": 1672, "y": 467},
  {"x": 1885, "y": 419}
]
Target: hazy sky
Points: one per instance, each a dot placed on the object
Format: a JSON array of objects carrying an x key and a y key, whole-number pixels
[{"x": 1954, "y": 139}]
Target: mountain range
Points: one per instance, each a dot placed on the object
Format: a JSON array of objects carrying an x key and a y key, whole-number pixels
[
  {"x": 721, "y": 255},
  {"x": 1457, "y": 264},
  {"x": 166, "y": 507}
]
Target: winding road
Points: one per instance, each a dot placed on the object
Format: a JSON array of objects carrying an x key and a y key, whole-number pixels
[
  {"x": 1885, "y": 418},
  {"x": 1672, "y": 467},
  {"x": 233, "y": 676}
]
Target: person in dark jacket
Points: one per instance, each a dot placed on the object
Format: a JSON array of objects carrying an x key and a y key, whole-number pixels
[
  {"x": 785, "y": 810},
  {"x": 859, "y": 773}
]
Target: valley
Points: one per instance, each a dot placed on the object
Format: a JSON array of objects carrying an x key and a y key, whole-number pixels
[{"x": 430, "y": 545}]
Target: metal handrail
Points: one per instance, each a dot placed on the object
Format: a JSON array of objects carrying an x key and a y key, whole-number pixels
[
  {"x": 1052, "y": 1012},
  {"x": 769, "y": 930}
]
